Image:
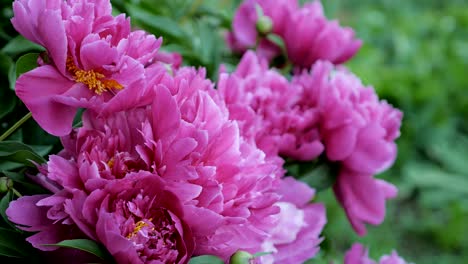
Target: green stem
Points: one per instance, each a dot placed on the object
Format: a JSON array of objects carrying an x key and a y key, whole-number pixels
[
  {"x": 16, "y": 192},
  {"x": 15, "y": 126}
]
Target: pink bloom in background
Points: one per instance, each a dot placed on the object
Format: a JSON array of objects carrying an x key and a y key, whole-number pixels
[
  {"x": 295, "y": 239},
  {"x": 363, "y": 198},
  {"x": 359, "y": 255},
  {"x": 357, "y": 129},
  {"x": 244, "y": 26},
  {"x": 359, "y": 134},
  {"x": 269, "y": 111},
  {"x": 307, "y": 34},
  {"x": 93, "y": 60},
  {"x": 245, "y": 33},
  {"x": 310, "y": 37}
]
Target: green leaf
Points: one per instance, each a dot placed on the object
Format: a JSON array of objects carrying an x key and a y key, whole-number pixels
[
  {"x": 26, "y": 63},
  {"x": 10, "y": 252},
  {"x": 13, "y": 244},
  {"x": 319, "y": 175},
  {"x": 161, "y": 24},
  {"x": 278, "y": 41},
  {"x": 86, "y": 245},
  {"x": 7, "y": 97},
  {"x": 430, "y": 176},
  {"x": 4, "y": 202},
  {"x": 18, "y": 152},
  {"x": 259, "y": 254},
  {"x": 12, "y": 76},
  {"x": 20, "y": 45},
  {"x": 42, "y": 149},
  {"x": 206, "y": 259}
]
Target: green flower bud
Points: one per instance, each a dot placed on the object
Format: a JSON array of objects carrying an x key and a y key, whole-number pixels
[
  {"x": 5, "y": 184},
  {"x": 241, "y": 257},
  {"x": 264, "y": 25}
]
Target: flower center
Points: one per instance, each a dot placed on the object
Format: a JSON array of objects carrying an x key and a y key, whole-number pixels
[
  {"x": 138, "y": 226},
  {"x": 93, "y": 79}
]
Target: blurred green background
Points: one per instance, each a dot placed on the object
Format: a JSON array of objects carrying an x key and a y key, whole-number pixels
[{"x": 415, "y": 54}]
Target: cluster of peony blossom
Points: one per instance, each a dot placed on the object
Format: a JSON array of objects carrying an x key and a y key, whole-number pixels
[{"x": 168, "y": 165}]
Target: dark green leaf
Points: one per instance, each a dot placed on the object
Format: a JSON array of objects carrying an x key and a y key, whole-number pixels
[
  {"x": 10, "y": 252},
  {"x": 4, "y": 202},
  {"x": 317, "y": 174},
  {"x": 20, "y": 45},
  {"x": 26, "y": 63},
  {"x": 12, "y": 76},
  {"x": 13, "y": 243},
  {"x": 206, "y": 259},
  {"x": 7, "y": 97},
  {"x": 42, "y": 150},
  {"x": 86, "y": 245},
  {"x": 18, "y": 152}
]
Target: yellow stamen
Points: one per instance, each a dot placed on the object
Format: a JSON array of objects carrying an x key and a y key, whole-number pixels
[
  {"x": 111, "y": 162},
  {"x": 138, "y": 226},
  {"x": 91, "y": 78}
]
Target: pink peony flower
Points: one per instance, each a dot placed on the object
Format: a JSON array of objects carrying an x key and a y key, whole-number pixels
[
  {"x": 359, "y": 255},
  {"x": 137, "y": 219},
  {"x": 359, "y": 133},
  {"x": 310, "y": 37},
  {"x": 33, "y": 214},
  {"x": 363, "y": 198},
  {"x": 93, "y": 60},
  {"x": 358, "y": 130},
  {"x": 270, "y": 110},
  {"x": 295, "y": 239},
  {"x": 185, "y": 138}
]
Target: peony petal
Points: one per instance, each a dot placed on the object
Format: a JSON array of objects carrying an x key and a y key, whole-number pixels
[
  {"x": 37, "y": 89},
  {"x": 27, "y": 214}
]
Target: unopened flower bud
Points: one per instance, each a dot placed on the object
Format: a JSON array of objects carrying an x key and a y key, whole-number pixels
[
  {"x": 264, "y": 25},
  {"x": 241, "y": 257},
  {"x": 5, "y": 184}
]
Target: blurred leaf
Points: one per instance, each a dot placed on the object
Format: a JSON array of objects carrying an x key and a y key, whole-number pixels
[
  {"x": 12, "y": 77},
  {"x": 19, "y": 153},
  {"x": 160, "y": 24},
  {"x": 206, "y": 259},
  {"x": 20, "y": 45},
  {"x": 317, "y": 174},
  {"x": 86, "y": 245},
  {"x": 429, "y": 176}
]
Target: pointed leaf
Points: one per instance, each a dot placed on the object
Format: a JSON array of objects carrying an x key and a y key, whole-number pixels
[
  {"x": 206, "y": 259},
  {"x": 19, "y": 153},
  {"x": 86, "y": 245}
]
